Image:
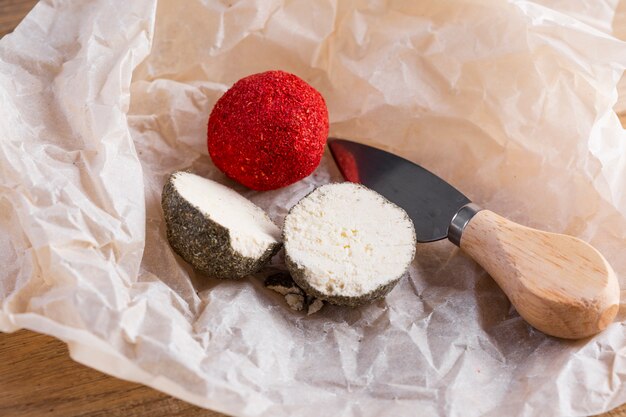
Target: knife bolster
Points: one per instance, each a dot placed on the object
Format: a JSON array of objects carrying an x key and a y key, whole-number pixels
[{"x": 460, "y": 221}]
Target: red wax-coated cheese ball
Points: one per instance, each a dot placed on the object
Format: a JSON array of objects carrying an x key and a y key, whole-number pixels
[{"x": 268, "y": 130}]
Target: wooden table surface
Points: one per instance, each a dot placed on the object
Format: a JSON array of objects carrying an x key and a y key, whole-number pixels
[{"x": 37, "y": 377}]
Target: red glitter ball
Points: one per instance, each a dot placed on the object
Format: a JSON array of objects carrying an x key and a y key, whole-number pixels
[{"x": 268, "y": 130}]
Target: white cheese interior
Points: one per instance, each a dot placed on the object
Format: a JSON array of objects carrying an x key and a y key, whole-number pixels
[
  {"x": 348, "y": 239},
  {"x": 251, "y": 230}
]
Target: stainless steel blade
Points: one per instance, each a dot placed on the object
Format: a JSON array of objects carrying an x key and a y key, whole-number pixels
[{"x": 430, "y": 201}]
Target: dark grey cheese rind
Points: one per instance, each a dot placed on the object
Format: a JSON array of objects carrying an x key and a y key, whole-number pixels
[
  {"x": 282, "y": 283},
  {"x": 203, "y": 243},
  {"x": 333, "y": 294},
  {"x": 295, "y": 297},
  {"x": 299, "y": 276}
]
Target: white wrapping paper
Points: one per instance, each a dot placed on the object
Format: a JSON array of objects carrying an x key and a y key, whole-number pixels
[{"x": 510, "y": 102}]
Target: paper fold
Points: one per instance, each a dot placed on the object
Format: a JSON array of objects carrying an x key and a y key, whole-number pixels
[{"x": 510, "y": 102}]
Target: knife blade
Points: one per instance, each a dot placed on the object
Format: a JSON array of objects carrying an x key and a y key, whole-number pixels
[
  {"x": 558, "y": 283},
  {"x": 431, "y": 209}
]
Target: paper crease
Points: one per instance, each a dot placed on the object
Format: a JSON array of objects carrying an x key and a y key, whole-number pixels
[{"x": 510, "y": 102}]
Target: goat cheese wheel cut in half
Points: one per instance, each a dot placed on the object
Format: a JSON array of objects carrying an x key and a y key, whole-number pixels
[
  {"x": 347, "y": 244},
  {"x": 215, "y": 229}
]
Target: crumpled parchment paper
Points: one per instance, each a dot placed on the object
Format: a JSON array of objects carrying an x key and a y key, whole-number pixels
[{"x": 509, "y": 101}]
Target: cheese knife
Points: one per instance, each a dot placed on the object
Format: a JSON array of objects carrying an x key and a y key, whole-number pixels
[{"x": 559, "y": 284}]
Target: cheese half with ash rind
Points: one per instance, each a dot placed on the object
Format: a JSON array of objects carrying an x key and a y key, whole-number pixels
[
  {"x": 347, "y": 244},
  {"x": 215, "y": 229}
]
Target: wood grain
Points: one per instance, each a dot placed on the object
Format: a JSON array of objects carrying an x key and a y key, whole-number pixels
[
  {"x": 557, "y": 283},
  {"x": 37, "y": 377},
  {"x": 11, "y": 12}
]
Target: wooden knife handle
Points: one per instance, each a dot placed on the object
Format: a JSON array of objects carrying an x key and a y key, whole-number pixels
[{"x": 558, "y": 283}]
